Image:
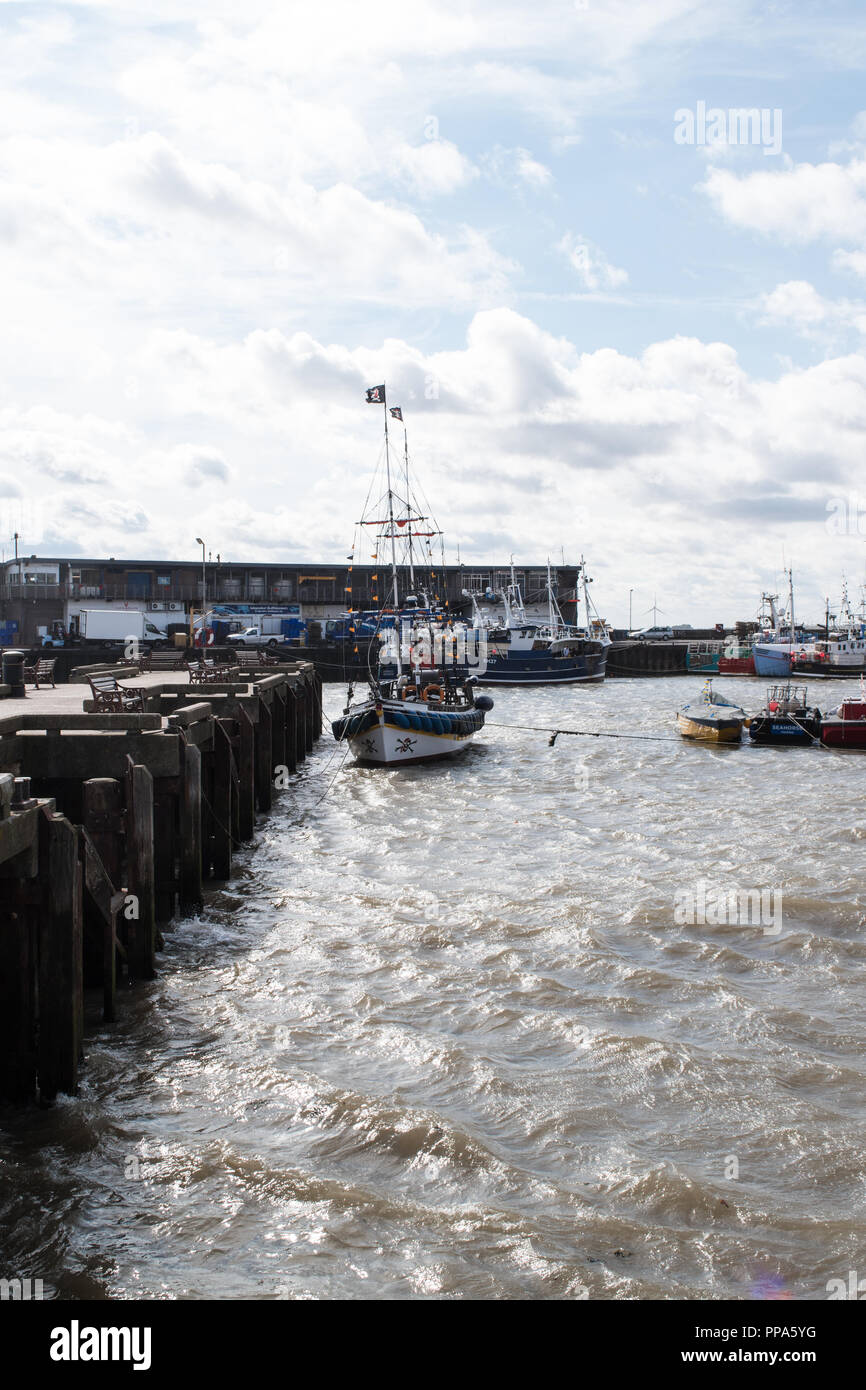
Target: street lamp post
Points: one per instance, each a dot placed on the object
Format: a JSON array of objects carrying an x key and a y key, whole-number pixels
[
  {"x": 630, "y": 592},
  {"x": 200, "y": 542}
]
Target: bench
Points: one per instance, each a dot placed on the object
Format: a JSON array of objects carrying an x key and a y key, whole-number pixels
[
  {"x": 206, "y": 673},
  {"x": 163, "y": 660},
  {"x": 40, "y": 672},
  {"x": 250, "y": 661},
  {"x": 109, "y": 695}
]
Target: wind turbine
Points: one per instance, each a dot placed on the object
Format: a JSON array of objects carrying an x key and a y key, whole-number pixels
[{"x": 655, "y": 610}]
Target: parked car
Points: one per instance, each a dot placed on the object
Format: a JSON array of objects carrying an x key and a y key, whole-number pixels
[
  {"x": 654, "y": 634},
  {"x": 255, "y": 637}
]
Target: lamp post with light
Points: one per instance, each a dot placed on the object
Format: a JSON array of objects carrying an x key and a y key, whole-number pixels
[{"x": 200, "y": 542}]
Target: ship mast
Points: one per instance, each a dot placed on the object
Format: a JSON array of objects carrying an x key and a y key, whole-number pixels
[
  {"x": 549, "y": 596},
  {"x": 391, "y": 509},
  {"x": 408, "y": 504}
]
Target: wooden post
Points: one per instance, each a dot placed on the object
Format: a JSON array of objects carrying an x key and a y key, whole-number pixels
[
  {"x": 278, "y": 729},
  {"x": 221, "y": 802},
  {"x": 264, "y": 760},
  {"x": 140, "y": 878},
  {"x": 17, "y": 993},
  {"x": 190, "y": 830},
  {"x": 246, "y": 771},
  {"x": 291, "y": 728},
  {"x": 308, "y": 717},
  {"x": 61, "y": 1000},
  {"x": 165, "y": 799},
  {"x": 300, "y": 729},
  {"x": 102, "y": 817}
]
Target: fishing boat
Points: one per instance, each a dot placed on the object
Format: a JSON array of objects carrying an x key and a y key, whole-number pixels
[
  {"x": 846, "y": 726},
  {"x": 418, "y": 706},
  {"x": 787, "y": 718},
  {"x": 712, "y": 718},
  {"x": 779, "y": 638},
  {"x": 737, "y": 659},
  {"x": 703, "y": 657},
  {"x": 523, "y": 652},
  {"x": 840, "y": 651}
]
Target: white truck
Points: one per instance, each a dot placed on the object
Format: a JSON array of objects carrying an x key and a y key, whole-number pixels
[
  {"x": 118, "y": 625},
  {"x": 257, "y": 636}
]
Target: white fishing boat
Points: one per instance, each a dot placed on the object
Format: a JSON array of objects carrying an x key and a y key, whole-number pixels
[{"x": 421, "y": 702}]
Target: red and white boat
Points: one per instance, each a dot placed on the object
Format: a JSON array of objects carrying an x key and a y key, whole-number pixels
[
  {"x": 737, "y": 659},
  {"x": 846, "y": 726}
]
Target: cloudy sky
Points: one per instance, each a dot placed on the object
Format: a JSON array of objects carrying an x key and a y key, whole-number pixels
[{"x": 613, "y": 328}]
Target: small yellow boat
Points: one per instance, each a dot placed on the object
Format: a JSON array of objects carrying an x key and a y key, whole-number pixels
[{"x": 712, "y": 718}]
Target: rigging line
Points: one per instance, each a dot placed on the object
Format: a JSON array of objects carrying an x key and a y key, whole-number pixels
[
  {"x": 584, "y": 733},
  {"x": 331, "y": 783}
]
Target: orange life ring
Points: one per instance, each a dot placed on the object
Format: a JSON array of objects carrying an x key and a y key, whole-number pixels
[
  {"x": 408, "y": 692},
  {"x": 435, "y": 690}
]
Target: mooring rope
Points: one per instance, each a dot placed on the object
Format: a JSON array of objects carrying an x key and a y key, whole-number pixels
[{"x": 582, "y": 733}]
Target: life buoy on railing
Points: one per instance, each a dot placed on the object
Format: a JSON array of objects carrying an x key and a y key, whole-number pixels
[
  {"x": 408, "y": 692},
  {"x": 431, "y": 691}
]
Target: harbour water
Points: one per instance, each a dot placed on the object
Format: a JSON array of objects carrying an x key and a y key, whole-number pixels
[{"x": 444, "y": 1037}]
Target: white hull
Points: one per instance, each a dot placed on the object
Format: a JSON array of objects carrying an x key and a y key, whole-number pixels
[
  {"x": 399, "y": 732},
  {"x": 388, "y": 745}
]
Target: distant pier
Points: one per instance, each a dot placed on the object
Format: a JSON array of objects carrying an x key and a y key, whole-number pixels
[{"x": 110, "y": 824}]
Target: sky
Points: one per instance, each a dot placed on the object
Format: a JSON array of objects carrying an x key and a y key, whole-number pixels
[{"x": 621, "y": 322}]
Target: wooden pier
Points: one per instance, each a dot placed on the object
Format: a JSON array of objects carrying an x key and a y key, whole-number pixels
[{"x": 110, "y": 824}]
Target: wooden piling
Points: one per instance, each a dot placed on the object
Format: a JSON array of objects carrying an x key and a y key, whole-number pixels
[
  {"x": 103, "y": 820},
  {"x": 61, "y": 1002},
  {"x": 247, "y": 776},
  {"x": 18, "y": 952},
  {"x": 140, "y": 878},
  {"x": 191, "y": 830},
  {"x": 221, "y": 803},
  {"x": 264, "y": 760},
  {"x": 166, "y": 795},
  {"x": 278, "y": 729}
]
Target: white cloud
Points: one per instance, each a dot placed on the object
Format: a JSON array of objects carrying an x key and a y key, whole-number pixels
[
  {"x": 435, "y": 168},
  {"x": 271, "y": 434},
  {"x": 591, "y": 264},
  {"x": 516, "y": 168},
  {"x": 808, "y": 202},
  {"x": 851, "y": 261},
  {"x": 798, "y": 304}
]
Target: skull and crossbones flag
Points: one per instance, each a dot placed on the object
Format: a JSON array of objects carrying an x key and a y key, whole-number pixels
[{"x": 375, "y": 395}]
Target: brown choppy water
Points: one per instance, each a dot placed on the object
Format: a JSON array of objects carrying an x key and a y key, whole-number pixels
[{"x": 442, "y": 1037}]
